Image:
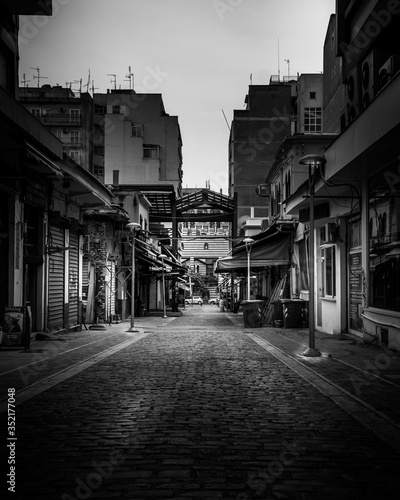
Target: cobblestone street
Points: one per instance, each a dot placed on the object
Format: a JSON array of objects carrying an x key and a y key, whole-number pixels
[{"x": 194, "y": 409}]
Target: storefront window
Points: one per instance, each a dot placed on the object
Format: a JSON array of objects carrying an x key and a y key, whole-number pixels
[{"x": 384, "y": 239}]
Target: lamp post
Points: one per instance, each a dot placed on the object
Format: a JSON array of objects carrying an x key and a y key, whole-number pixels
[
  {"x": 249, "y": 242},
  {"x": 163, "y": 282},
  {"x": 133, "y": 226},
  {"x": 314, "y": 162}
]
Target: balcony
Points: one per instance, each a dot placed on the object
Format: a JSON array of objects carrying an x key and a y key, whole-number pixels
[{"x": 61, "y": 119}]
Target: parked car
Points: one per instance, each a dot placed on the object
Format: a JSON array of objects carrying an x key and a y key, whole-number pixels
[
  {"x": 196, "y": 300},
  {"x": 214, "y": 301}
]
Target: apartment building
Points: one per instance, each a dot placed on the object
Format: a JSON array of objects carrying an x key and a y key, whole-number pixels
[
  {"x": 68, "y": 115},
  {"x": 43, "y": 193}
]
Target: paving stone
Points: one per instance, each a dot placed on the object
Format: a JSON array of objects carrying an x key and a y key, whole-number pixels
[{"x": 199, "y": 410}]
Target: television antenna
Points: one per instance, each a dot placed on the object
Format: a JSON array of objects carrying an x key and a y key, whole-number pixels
[
  {"x": 113, "y": 80},
  {"x": 24, "y": 81},
  {"x": 288, "y": 63},
  {"x": 38, "y": 76},
  {"x": 87, "y": 85},
  {"x": 93, "y": 87},
  {"x": 129, "y": 76}
]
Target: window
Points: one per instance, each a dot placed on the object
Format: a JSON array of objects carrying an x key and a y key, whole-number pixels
[
  {"x": 100, "y": 110},
  {"x": 287, "y": 184},
  {"x": 36, "y": 112},
  {"x": 384, "y": 238},
  {"x": 312, "y": 120},
  {"x": 313, "y": 95},
  {"x": 116, "y": 109},
  {"x": 74, "y": 115},
  {"x": 59, "y": 134},
  {"x": 205, "y": 246},
  {"x": 137, "y": 130},
  {"x": 98, "y": 170},
  {"x": 99, "y": 150},
  {"x": 75, "y": 155},
  {"x": 151, "y": 151},
  {"x": 328, "y": 255},
  {"x": 115, "y": 177},
  {"x": 354, "y": 232},
  {"x": 75, "y": 136}
]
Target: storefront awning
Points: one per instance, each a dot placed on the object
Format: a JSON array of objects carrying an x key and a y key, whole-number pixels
[{"x": 271, "y": 252}]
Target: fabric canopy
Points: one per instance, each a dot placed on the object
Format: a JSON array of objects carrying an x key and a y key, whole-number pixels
[{"x": 271, "y": 252}]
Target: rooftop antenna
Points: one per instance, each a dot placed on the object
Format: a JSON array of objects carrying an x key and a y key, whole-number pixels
[
  {"x": 288, "y": 64},
  {"x": 113, "y": 80},
  {"x": 80, "y": 85},
  {"x": 129, "y": 76},
  {"x": 93, "y": 87},
  {"x": 38, "y": 77},
  {"x": 87, "y": 85},
  {"x": 251, "y": 78},
  {"x": 24, "y": 81},
  {"x": 279, "y": 71}
]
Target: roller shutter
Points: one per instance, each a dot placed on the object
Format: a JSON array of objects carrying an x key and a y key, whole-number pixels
[
  {"x": 73, "y": 282},
  {"x": 56, "y": 280}
]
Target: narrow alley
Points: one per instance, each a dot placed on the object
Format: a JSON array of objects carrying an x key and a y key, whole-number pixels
[{"x": 189, "y": 407}]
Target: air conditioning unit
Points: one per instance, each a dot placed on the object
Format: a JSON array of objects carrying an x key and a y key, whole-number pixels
[
  {"x": 386, "y": 72},
  {"x": 369, "y": 77},
  {"x": 263, "y": 190},
  {"x": 389, "y": 68},
  {"x": 352, "y": 95},
  {"x": 267, "y": 222}
]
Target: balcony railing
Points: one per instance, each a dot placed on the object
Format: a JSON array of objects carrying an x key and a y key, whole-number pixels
[{"x": 63, "y": 119}]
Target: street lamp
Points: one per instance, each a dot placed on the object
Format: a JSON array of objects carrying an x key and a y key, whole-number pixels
[
  {"x": 162, "y": 256},
  {"x": 314, "y": 162},
  {"x": 133, "y": 226},
  {"x": 249, "y": 242}
]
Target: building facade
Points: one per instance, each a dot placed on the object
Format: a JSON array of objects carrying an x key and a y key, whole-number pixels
[
  {"x": 142, "y": 143},
  {"x": 67, "y": 115},
  {"x": 43, "y": 196},
  {"x": 256, "y": 133},
  {"x": 357, "y": 241}
]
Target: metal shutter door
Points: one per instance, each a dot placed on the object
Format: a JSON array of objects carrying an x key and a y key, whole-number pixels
[
  {"x": 73, "y": 282},
  {"x": 56, "y": 280}
]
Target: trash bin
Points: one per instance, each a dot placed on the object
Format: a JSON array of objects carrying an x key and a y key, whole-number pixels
[
  {"x": 252, "y": 313},
  {"x": 278, "y": 310},
  {"x": 293, "y": 313}
]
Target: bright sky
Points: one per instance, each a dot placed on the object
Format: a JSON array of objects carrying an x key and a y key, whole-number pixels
[{"x": 199, "y": 54}]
